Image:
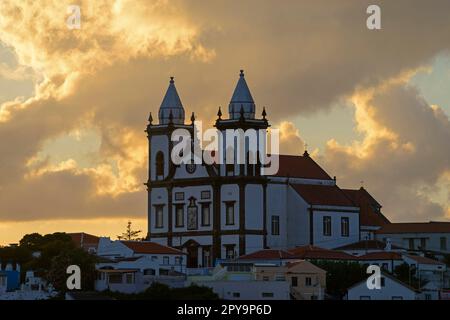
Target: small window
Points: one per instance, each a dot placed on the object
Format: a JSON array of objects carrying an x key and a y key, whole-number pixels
[
  {"x": 165, "y": 260},
  {"x": 443, "y": 243},
  {"x": 294, "y": 281},
  {"x": 229, "y": 213},
  {"x": 423, "y": 243},
  {"x": 236, "y": 294},
  {"x": 159, "y": 165},
  {"x": 411, "y": 244},
  {"x": 327, "y": 226},
  {"x": 308, "y": 281},
  {"x": 345, "y": 229},
  {"x": 179, "y": 216},
  {"x": 205, "y": 215},
  {"x": 205, "y": 195},
  {"x": 149, "y": 272},
  {"x": 129, "y": 279},
  {"x": 229, "y": 252},
  {"x": 385, "y": 266},
  {"x": 159, "y": 216},
  {"x": 267, "y": 294},
  {"x": 266, "y": 278},
  {"x": 179, "y": 196},
  {"x": 276, "y": 225},
  {"x": 177, "y": 261}
]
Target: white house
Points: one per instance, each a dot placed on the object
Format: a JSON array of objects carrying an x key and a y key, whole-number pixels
[
  {"x": 132, "y": 266},
  {"x": 370, "y": 246},
  {"x": 391, "y": 289},
  {"x": 240, "y": 281},
  {"x": 423, "y": 236},
  {"x": 224, "y": 210},
  {"x": 165, "y": 257}
]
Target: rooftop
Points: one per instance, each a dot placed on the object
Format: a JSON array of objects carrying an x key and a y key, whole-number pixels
[
  {"x": 145, "y": 247},
  {"x": 323, "y": 195},
  {"x": 300, "y": 167},
  {"x": 416, "y": 227}
]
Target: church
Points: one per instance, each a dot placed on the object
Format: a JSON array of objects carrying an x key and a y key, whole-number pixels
[{"x": 222, "y": 211}]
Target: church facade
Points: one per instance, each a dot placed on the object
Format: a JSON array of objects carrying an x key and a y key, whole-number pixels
[{"x": 220, "y": 211}]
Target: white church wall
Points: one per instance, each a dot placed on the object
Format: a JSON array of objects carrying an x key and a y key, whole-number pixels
[
  {"x": 336, "y": 239},
  {"x": 254, "y": 209},
  {"x": 229, "y": 193},
  {"x": 196, "y": 192},
  {"x": 182, "y": 173},
  {"x": 202, "y": 240},
  {"x": 276, "y": 205},
  {"x": 253, "y": 243},
  {"x": 159, "y": 143},
  {"x": 159, "y": 196},
  {"x": 232, "y": 239},
  {"x": 298, "y": 231}
]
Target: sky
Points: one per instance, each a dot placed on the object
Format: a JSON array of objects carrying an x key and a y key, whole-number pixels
[{"x": 373, "y": 106}]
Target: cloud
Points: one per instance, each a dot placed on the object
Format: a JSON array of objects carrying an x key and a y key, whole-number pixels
[
  {"x": 404, "y": 156},
  {"x": 299, "y": 58}
]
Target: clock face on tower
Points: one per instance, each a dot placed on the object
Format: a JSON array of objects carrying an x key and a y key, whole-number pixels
[{"x": 190, "y": 168}]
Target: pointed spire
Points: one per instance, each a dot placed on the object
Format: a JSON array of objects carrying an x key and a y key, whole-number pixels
[
  {"x": 193, "y": 117},
  {"x": 171, "y": 104},
  {"x": 150, "y": 118},
  {"x": 219, "y": 113},
  {"x": 242, "y": 96},
  {"x": 264, "y": 114}
]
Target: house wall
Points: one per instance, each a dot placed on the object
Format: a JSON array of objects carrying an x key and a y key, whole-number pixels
[
  {"x": 391, "y": 289},
  {"x": 433, "y": 240},
  {"x": 336, "y": 239},
  {"x": 249, "y": 290}
]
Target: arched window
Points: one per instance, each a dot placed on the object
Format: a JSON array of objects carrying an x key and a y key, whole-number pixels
[{"x": 159, "y": 165}]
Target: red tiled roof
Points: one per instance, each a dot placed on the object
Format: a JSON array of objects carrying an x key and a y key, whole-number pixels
[
  {"x": 323, "y": 195},
  {"x": 416, "y": 227},
  {"x": 82, "y": 239},
  {"x": 367, "y": 244},
  {"x": 370, "y": 214},
  {"x": 269, "y": 254},
  {"x": 387, "y": 255},
  {"x": 312, "y": 252},
  {"x": 145, "y": 247},
  {"x": 300, "y": 167},
  {"x": 424, "y": 260}
]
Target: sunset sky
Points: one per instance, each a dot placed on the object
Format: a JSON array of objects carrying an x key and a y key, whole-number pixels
[{"x": 372, "y": 106}]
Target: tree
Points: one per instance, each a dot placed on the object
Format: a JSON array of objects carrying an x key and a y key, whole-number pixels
[
  {"x": 57, "y": 274},
  {"x": 129, "y": 234},
  {"x": 341, "y": 275}
]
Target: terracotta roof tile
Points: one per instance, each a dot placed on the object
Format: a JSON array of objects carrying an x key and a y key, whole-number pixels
[
  {"x": 267, "y": 254},
  {"x": 323, "y": 195},
  {"x": 312, "y": 252},
  {"x": 370, "y": 215},
  {"x": 416, "y": 227},
  {"x": 367, "y": 244},
  {"x": 82, "y": 239},
  {"x": 424, "y": 260},
  {"x": 145, "y": 247},
  {"x": 387, "y": 255},
  {"x": 301, "y": 167}
]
